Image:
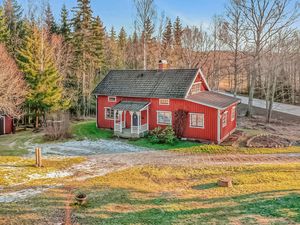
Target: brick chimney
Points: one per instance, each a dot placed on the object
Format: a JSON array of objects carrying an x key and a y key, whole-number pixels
[{"x": 163, "y": 65}]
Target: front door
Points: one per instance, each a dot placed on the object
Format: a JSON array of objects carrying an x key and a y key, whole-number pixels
[
  {"x": 135, "y": 121},
  {"x": 1, "y": 125}
]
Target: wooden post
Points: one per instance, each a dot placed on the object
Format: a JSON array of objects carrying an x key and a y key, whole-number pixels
[{"x": 38, "y": 157}]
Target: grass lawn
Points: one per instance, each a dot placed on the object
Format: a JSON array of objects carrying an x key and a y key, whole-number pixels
[
  {"x": 89, "y": 130},
  {"x": 217, "y": 149},
  {"x": 262, "y": 194},
  {"x": 20, "y": 170},
  {"x": 144, "y": 142},
  {"x": 14, "y": 144}
]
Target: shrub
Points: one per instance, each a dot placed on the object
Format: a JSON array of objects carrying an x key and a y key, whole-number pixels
[
  {"x": 159, "y": 135},
  {"x": 58, "y": 127},
  {"x": 180, "y": 122}
]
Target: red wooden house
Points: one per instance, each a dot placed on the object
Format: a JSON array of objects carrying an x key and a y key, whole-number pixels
[
  {"x": 132, "y": 102},
  {"x": 6, "y": 124}
]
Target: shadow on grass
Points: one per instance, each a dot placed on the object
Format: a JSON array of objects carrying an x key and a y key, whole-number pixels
[
  {"x": 205, "y": 186},
  {"x": 284, "y": 209}
]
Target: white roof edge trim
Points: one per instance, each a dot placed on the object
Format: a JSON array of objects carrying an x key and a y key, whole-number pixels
[{"x": 199, "y": 71}]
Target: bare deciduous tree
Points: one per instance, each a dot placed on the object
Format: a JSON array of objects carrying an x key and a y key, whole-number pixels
[
  {"x": 264, "y": 19},
  {"x": 145, "y": 12},
  {"x": 12, "y": 85}
]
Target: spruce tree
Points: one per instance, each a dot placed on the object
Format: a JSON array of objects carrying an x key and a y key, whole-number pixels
[
  {"x": 13, "y": 16},
  {"x": 167, "y": 40},
  {"x": 4, "y": 32},
  {"x": 84, "y": 57},
  {"x": 149, "y": 30},
  {"x": 41, "y": 75},
  {"x": 122, "y": 39},
  {"x": 177, "y": 32},
  {"x": 98, "y": 42},
  {"x": 65, "y": 29},
  {"x": 50, "y": 21},
  {"x": 112, "y": 34}
]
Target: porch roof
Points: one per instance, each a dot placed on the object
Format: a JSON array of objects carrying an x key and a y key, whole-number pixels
[{"x": 130, "y": 106}]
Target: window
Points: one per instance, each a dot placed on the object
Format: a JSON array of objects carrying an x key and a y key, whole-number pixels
[
  {"x": 197, "y": 120},
  {"x": 112, "y": 99},
  {"x": 224, "y": 119},
  {"x": 109, "y": 114},
  {"x": 233, "y": 112},
  {"x": 164, "y": 118},
  {"x": 164, "y": 101},
  {"x": 196, "y": 88}
]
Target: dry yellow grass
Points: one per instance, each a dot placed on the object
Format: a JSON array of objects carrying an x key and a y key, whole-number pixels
[{"x": 19, "y": 170}]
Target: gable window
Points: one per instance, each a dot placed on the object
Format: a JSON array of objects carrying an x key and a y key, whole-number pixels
[
  {"x": 164, "y": 118},
  {"x": 109, "y": 114},
  {"x": 112, "y": 99},
  {"x": 224, "y": 119},
  {"x": 196, "y": 88},
  {"x": 164, "y": 101},
  {"x": 197, "y": 120},
  {"x": 233, "y": 113}
]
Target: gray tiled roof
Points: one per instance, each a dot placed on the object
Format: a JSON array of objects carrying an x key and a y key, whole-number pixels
[
  {"x": 172, "y": 83},
  {"x": 213, "y": 99},
  {"x": 130, "y": 106}
]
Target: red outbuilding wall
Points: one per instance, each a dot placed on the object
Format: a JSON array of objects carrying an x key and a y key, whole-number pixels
[{"x": 8, "y": 125}]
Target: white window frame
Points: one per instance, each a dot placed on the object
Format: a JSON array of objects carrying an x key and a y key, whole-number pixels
[
  {"x": 112, "y": 97},
  {"x": 197, "y": 114},
  {"x": 158, "y": 117},
  {"x": 233, "y": 113},
  {"x": 225, "y": 116},
  {"x": 161, "y": 101},
  {"x": 199, "y": 89},
  {"x": 105, "y": 114}
]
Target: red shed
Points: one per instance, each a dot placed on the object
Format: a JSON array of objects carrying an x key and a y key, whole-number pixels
[
  {"x": 6, "y": 124},
  {"x": 132, "y": 102}
]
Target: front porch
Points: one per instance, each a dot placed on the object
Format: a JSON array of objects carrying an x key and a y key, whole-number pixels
[{"x": 131, "y": 119}]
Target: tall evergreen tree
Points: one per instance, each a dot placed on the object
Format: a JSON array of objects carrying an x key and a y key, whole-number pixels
[
  {"x": 13, "y": 16},
  {"x": 84, "y": 65},
  {"x": 122, "y": 39},
  {"x": 167, "y": 40},
  {"x": 65, "y": 29},
  {"x": 177, "y": 32},
  {"x": 41, "y": 75},
  {"x": 4, "y": 32},
  {"x": 98, "y": 41},
  {"x": 51, "y": 25},
  {"x": 149, "y": 30},
  {"x": 112, "y": 34}
]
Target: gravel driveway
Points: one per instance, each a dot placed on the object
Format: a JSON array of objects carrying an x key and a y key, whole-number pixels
[{"x": 86, "y": 148}]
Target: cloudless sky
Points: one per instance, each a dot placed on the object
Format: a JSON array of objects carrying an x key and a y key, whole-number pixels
[{"x": 120, "y": 13}]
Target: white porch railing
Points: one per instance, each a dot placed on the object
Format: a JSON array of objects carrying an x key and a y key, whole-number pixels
[
  {"x": 144, "y": 128},
  {"x": 118, "y": 127}
]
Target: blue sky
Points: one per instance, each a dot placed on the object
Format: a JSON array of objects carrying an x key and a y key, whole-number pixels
[{"x": 120, "y": 13}]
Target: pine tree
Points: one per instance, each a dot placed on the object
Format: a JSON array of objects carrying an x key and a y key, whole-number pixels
[
  {"x": 167, "y": 40},
  {"x": 98, "y": 41},
  {"x": 84, "y": 57},
  {"x": 112, "y": 34},
  {"x": 4, "y": 32},
  {"x": 149, "y": 30},
  {"x": 50, "y": 21},
  {"x": 41, "y": 75},
  {"x": 65, "y": 29},
  {"x": 178, "y": 32},
  {"x": 13, "y": 16},
  {"x": 122, "y": 39}
]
